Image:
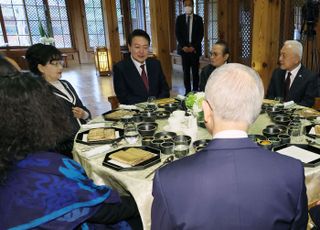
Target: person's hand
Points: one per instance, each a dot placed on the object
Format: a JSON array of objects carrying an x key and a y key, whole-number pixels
[
  {"x": 192, "y": 49},
  {"x": 78, "y": 112},
  {"x": 186, "y": 49}
]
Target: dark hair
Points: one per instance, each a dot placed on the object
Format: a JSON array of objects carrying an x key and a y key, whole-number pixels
[
  {"x": 41, "y": 54},
  {"x": 190, "y": 0},
  {"x": 6, "y": 68},
  {"x": 31, "y": 119},
  {"x": 224, "y": 45},
  {"x": 138, "y": 33}
]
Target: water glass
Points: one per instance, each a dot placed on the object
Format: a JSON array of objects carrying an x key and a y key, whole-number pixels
[{"x": 131, "y": 133}]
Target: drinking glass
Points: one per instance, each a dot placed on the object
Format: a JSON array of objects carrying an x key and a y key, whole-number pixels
[
  {"x": 131, "y": 133},
  {"x": 151, "y": 103}
]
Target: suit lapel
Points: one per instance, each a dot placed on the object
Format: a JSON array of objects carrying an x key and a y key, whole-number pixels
[{"x": 298, "y": 80}]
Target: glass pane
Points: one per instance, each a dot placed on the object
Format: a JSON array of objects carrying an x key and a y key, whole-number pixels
[
  {"x": 11, "y": 28},
  {"x": 63, "y": 13},
  {"x": 56, "y": 27},
  {"x": 52, "y": 2},
  {"x": 3, "y": 2},
  {"x": 65, "y": 27},
  {"x": 22, "y": 27},
  {"x": 30, "y": 2},
  {"x": 67, "y": 41},
  {"x": 13, "y": 40},
  {"x": 19, "y": 13},
  {"x": 24, "y": 40},
  {"x": 20, "y": 2},
  {"x": 54, "y": 13},
  {"x": 7, "y": 13},
  {"x": 94, "y": 21},
  {"x": 97, "y": 3}
]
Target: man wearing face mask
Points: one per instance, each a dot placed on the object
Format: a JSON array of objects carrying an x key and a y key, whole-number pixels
[{"x": 189, "y": 33}]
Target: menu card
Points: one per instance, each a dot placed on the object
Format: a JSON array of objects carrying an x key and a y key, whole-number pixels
[{"x": 299, "y": 153}]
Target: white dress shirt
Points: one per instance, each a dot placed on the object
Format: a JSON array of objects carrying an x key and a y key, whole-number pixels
[
  {"x": 228, "y": 134},
  {"x": 138, "y": 64},
  {"x": 294, "y": 73}
]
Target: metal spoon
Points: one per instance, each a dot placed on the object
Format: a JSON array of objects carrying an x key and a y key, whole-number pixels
[{"x": 166, "y": 161}]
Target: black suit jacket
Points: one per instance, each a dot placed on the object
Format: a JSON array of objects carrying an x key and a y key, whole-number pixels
[
  {"x": 182, "y": 33},
  {"x": 205, "y": 74},
  {"x": 129, "y": 86},
  {"x": 303, "y": 89}
]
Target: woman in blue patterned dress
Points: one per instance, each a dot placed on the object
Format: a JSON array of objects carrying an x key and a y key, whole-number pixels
[{"x": 42, "y": 189}]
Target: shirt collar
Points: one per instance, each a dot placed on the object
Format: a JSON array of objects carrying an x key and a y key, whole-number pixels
[
  {"x": 230, "y": 134},
  {"x": 295, "y": 71},
  {"x": 138, "y": 64}
]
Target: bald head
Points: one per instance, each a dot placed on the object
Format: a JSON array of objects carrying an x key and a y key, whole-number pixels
[{"x": 235, "y": 93}]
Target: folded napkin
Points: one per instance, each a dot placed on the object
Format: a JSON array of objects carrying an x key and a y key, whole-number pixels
[
  {"x": 121, "y": 106},
  {"x": 288, "y": 104},
  {"x": 97, "y": 150}
]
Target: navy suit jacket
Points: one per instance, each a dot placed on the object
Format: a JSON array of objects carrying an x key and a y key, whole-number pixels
[
  {"x": 231, "y": 184},
  {"x": 129, "y": 86},
  {"x": 182, "y": 33},
  {"x": 303, "y": 89}
]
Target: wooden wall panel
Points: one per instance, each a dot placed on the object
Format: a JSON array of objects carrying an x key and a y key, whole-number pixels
[
  {"x": 160, "y": 27},
  {"x": 265, "y": 41}
]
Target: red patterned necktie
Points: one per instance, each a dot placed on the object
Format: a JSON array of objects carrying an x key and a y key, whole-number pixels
[
  {"x": 144, "y": 77},
  {"x": 287, "y": 86}
]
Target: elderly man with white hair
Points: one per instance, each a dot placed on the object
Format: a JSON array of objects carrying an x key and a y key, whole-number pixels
[
  {"x": 292, "y": 81},
  {"x": 232, "y": 183}
]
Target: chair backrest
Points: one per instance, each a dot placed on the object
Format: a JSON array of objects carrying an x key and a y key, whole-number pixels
[{"x": 114, "y": 102}]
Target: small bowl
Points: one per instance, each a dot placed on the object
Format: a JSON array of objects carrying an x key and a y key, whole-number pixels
[
  {"x": 148, "y": 116},
  {"x": 167, "y": 147},
  {"x": 182, "y": 139},
  {"x": 171, "y": 107},
  {"x": 181, "y": 150},
  {"x": 162, "y": 114},
  {"x": 126, "y": 119},
  {"x": 271, "y": 132},
  {"x": 256, "y": 137},
  {"x": 276, "y": 141},
  {"x": 266, "y": 144},
  {"x": 273, "y": 111},
  {"x": 136, "y": 118},
  {"x": 147, "y": 128},
  {"x": 166, "y": 136},
  {"x": 156, "y": 143},
  {"x": 283, "y": 129},
  {"x": 146, "y": 140},
  {"x": 281, "y": 119},
  {"x": 200, "y": 143},
  {"x": 285, "y": 138}
]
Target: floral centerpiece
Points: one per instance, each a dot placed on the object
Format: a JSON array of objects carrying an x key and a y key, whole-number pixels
[
  {"x": 193, "y": 103},
  {"x": 45, "y": 37}
]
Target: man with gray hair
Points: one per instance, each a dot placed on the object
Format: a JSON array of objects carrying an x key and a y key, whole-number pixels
[
  {"x": 292, "y": 81},
  {"x": 232, "y": 183}
]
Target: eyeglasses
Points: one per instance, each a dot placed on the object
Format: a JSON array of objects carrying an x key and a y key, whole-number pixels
[
  {"x": 57, "y": 62},
  {"x": 208, "y": 104},
  {"x": 214, "y": 54}
]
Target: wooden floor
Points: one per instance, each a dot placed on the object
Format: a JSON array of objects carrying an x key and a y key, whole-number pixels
[{"x": 94, "y": 90}]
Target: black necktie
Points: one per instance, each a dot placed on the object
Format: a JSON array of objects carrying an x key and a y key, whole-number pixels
[
  {"x": 144, "y": 77},
  {"x": 188, "y": 26},
  {"x": 287, "y": 86}
]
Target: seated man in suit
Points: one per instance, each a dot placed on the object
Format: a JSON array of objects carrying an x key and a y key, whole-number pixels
[
  {"x": 139, "y": 77},
  {"x": 219, "y": 55},
  {"x": 232, "y": 183},
  {"x": 292, "y": 81}
]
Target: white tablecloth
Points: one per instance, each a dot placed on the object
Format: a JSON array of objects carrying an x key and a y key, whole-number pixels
[{"x": 141, "y": 188}]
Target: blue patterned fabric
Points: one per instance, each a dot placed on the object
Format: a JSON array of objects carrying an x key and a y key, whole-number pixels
[{"x": 48, "y": 191}]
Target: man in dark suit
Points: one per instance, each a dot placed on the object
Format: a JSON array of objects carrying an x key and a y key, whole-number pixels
[
  {"x": 292, "y": 81},
  {"x": 232, "y": 183},
  {"x": 219, "y": 55},
  {"x": 139, "y": 77},
  {"x": 189, "y": 33}
]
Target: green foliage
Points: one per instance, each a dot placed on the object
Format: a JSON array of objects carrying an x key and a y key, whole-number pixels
[
  {"x": 41, "y": 30},
  {"x": 190, "y": 100}
]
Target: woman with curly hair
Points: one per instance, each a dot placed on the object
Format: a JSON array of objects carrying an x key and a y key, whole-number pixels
[
  {"x": 43, "y": 189},
  {"x": 46, "y": 62}
]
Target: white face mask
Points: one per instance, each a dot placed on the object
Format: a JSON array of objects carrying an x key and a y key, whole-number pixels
[{"x": 188, "y": 10}]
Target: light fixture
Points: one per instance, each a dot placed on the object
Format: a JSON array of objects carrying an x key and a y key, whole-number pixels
[{"x": 102, "y": 61}]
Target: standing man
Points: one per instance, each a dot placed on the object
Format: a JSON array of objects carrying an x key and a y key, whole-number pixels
[
  {"x": 189, "y": 33},
  {"x": 139, "y": 77},
  {"x": 232, "y": 183},
  {"x": 292, "y": 81}
]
